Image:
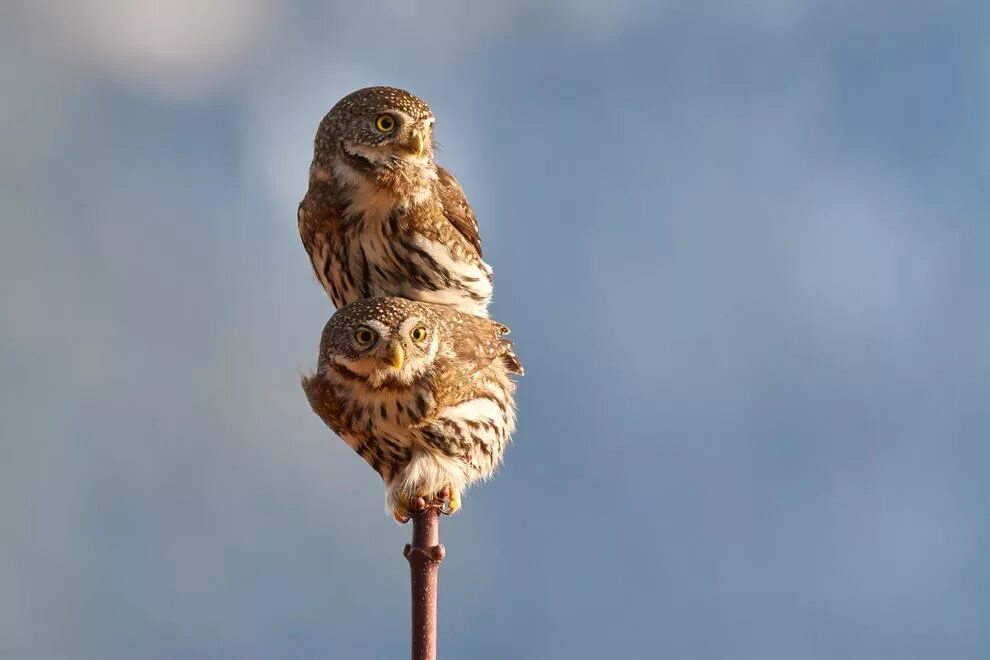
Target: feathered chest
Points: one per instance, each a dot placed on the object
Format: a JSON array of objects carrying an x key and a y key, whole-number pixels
[
  {"x": 404, "y": 251},
  {"x": 385, "y": 413}
]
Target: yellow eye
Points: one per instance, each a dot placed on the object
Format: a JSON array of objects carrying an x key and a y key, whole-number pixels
[
  {"x": 363, "y": 336},
  {"x": 418, "y": 333},
  {"x": 385, "y": 123}
]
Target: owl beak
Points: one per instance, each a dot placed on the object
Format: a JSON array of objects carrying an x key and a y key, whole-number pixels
[
  {"x": 415, "y": 144},
  {"x": 397, "y": 356}
]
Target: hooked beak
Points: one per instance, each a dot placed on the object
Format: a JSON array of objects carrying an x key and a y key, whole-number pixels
[
  {"x": 397, "y": 356},
  {"x": 415, "y": 144}
]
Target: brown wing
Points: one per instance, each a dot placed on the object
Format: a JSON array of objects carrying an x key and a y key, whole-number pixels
[
  {"x": 305, "y": 227},
  {"x": 317, "y": 216},
  {"x": 457, "y": 210},
  {"x": 478, "y": 344},
  {"x": 479, "y": 341},
  {"x": 324, "y": 401}
]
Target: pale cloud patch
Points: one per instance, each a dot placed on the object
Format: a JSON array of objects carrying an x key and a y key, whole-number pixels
[{"x": 182, "y": 49}]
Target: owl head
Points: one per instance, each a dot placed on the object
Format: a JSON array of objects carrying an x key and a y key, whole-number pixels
[
  {"x": 377, "y": 128},
  {"x": 383, "y": 340}
]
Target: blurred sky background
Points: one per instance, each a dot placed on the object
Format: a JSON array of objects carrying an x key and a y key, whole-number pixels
[{"x": 744, "y": 249}]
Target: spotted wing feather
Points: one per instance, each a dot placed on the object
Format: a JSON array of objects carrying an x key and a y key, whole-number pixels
[
  {"x": 456, "y": 208},
  {"x": 478, "y": 342}
]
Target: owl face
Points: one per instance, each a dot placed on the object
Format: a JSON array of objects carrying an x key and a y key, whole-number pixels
[
  {"x": 383, "y": 127},
  {"x": 383, "y": 340}
]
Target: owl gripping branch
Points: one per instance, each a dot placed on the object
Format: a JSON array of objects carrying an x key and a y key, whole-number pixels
[
  {"x": 412, "y": 373},
  {"x": 422, "y": 393}
]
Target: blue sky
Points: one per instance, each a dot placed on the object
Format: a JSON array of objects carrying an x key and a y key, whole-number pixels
[{"x": 744, "y": 252}]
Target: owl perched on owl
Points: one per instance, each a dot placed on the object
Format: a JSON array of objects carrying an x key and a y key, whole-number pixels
[
  {"x": 381, "y": 218},
  {"x": 421, "y": 391}
]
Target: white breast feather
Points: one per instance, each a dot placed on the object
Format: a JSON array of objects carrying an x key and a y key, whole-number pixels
[{"x": 478, "y": 410}]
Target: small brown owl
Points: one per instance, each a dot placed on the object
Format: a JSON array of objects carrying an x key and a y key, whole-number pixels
[
  {"x": 381, "y": 218},
  {"x": 421, "y": 391}
]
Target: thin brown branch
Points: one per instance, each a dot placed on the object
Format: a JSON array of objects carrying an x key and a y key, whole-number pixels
[{"x": 425, "y": 554}]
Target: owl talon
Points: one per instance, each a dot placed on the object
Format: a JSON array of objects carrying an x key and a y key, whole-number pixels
[
  {"x": 408, "y": 505},
  {"x": 405, "y": 505},
  {"x": 453, "y": 503}
]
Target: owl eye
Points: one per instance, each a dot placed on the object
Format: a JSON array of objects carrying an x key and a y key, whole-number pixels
[
  {"x": 418, "y": 333},
  {"x": 363, "y": 336},
  {"x": 385, "y": 123}
]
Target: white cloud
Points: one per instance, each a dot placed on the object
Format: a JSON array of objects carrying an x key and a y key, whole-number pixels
[{"x": 182, "y": 49}]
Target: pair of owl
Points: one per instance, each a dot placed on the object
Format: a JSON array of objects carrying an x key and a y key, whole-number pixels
[{"x": 412, "y": 373}]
